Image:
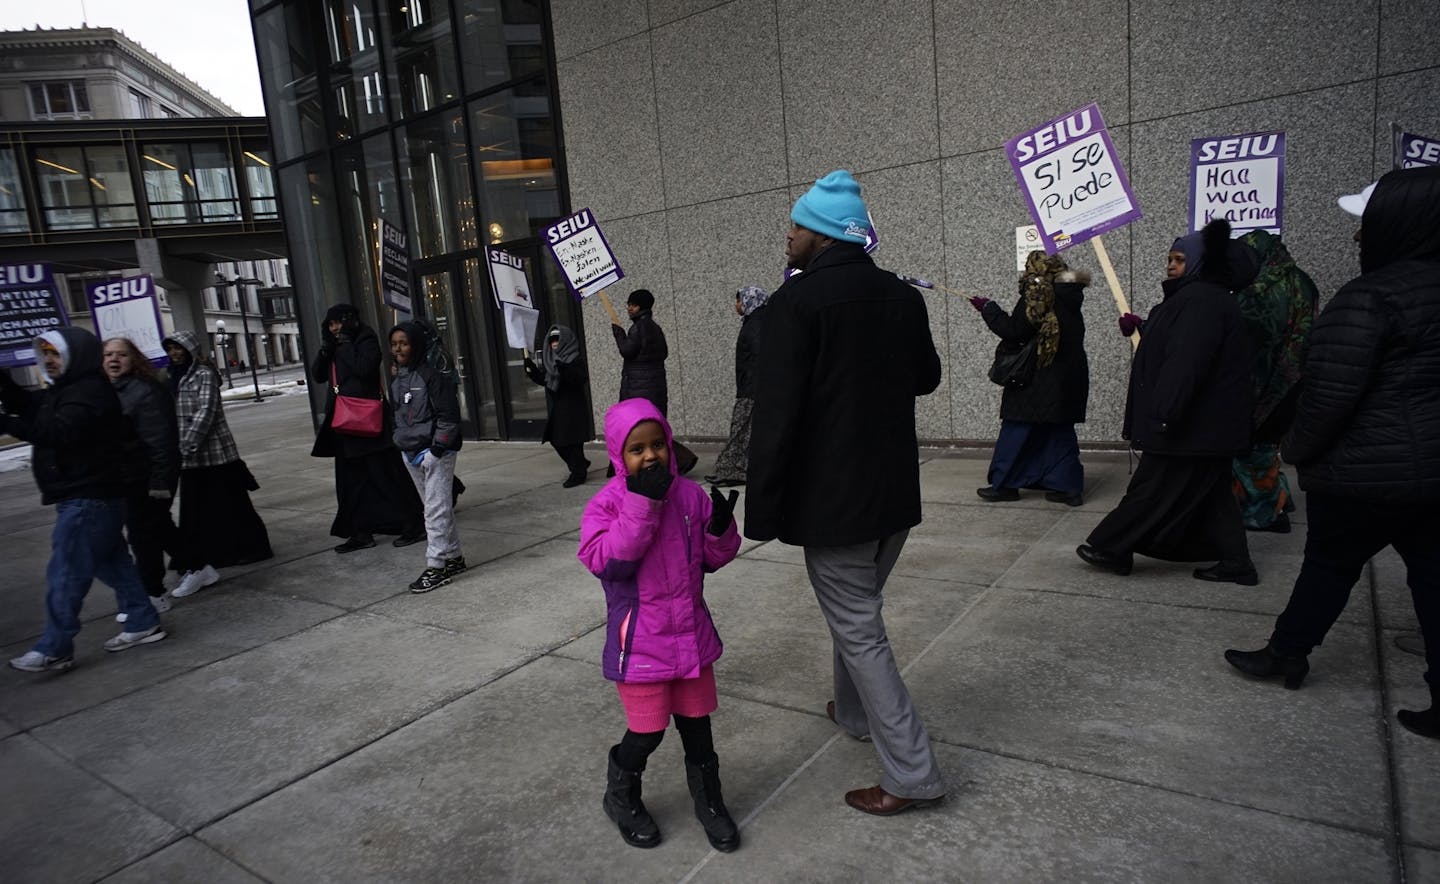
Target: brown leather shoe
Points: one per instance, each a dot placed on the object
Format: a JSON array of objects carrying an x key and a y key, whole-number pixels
[
  {"x": 881, "y": 803},
  {"x": 830, "y": 714}
]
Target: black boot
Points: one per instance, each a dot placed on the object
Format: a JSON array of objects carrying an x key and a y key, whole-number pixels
[
  {"x": 1269, "y": 663},
  {"x": 623, "y": 805},
  {"x": 704, "y": 780}
]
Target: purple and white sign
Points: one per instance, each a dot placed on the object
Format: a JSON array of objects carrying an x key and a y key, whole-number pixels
[
  {"x": 29, "y": 306},
  {"x": 395, "y": 267},
  {"x": 1240, "y": 178},
  {"x": 1072, "y": 179},
  {"x": 129, "y": 308},
  {"x": 583, "y": 254},
  {"x": 1413, "y": 151}
]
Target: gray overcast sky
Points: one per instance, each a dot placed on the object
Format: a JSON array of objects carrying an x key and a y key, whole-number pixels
[{"x": 209, "y": 41}]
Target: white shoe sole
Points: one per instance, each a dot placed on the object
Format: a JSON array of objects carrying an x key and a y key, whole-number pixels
[{"x": 152, "y": 637}]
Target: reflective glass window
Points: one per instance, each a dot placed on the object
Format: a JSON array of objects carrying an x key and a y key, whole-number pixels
[
  {"x": 514, "y": 137},
  {"x": 63, "y": 99},
  {"x": 367, "y": 194},
  {"x": 503, "y": 41},
  {"x": 12, "y": 195},
  {"x": 421, "y": 53},
  {"x": 64, "y": 188},
  {"x": 352, "y": 32},
  {"x": 214, "y": 182},
  {"x": 435, "y": 170},
  {"x": 189, "y": 183},
  {"x": 292, "y": 91},
  {"x": 110, "y": 187},
  {"x": 260, "y": 179}
]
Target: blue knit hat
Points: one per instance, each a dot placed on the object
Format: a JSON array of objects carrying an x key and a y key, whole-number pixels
[{"x": 833, "y": 208}]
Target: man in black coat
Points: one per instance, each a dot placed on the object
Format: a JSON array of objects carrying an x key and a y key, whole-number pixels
[
  {"x": 1366, "y": 436},
  {"x": 834, "y": 464},
  {"x": 86, "y": 460}
]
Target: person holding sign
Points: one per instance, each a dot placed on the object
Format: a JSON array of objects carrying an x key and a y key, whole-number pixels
[
  {"x": 151, "y": 411},
  {"x": 374, "y": 494},
  {"x": 835, "y": 466},
  {"x": 1188, "y": 413},
  {"x": 643, "y": 351},
  {"x": 568, "y": 424},
  {"x": 1037, "y": 446},
  {"x": 86, "y": 459},
  {"x": 1366, "y": 437}
]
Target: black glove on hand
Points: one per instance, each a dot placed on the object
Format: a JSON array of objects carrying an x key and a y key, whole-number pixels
[
  {"x": 653, "y": 481},
  {"x": 722, "y": 511}
]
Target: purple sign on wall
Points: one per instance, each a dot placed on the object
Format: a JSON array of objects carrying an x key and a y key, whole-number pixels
[
  {"x": 583, "y": 253},
  {"x": 129, "y": 308},
  {"x": 1072, "y": 179},
  {"x": 1413, "y": 151},
  {"x": 29, "y": 305},
  {"x": 1240, "y": 178}
]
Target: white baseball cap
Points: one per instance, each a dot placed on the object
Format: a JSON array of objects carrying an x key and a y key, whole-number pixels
[{"x": 1354, "y": 203}]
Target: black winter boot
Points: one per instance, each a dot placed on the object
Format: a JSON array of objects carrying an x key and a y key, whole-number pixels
[
  {"x": 704, "y": 781},
  {"x": 1269, "y": 663},
  {"x": 623, "y": 805}
]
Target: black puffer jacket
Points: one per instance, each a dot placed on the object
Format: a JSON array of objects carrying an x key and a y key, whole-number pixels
[
  {"x": 644, "y": 351},
  {"x": 84, "y": 448},
  {"x": 150, "y": 410},
  {"x": 1190, "y": 379},
  {"x": 1368, "y": 423},
  {"x": 1061, "y": 390}
]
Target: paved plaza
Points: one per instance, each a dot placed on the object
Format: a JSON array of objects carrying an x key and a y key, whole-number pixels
[{"x": 310, "y": 720}]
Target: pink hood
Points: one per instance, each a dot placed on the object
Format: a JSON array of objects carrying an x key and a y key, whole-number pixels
[{"x": 620, "y": 419}]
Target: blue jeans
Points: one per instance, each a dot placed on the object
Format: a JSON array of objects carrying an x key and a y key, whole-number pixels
[{"x": 87, "y": 544}]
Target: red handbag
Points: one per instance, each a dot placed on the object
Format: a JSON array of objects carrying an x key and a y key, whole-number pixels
[{"x": 356, "y": 415}]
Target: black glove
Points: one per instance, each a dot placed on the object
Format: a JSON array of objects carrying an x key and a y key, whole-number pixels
[
  {"x": 438, "y": 451},
  {"x": 722, "y": 511},
  {"x": 653, "y": 481},
  {"x": 530, "y": 364}
]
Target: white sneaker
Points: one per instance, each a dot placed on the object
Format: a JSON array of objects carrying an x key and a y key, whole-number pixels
[
  {"x": 121, "y": 617},
  {"x": 130, "y": 639},
  {"x": 161, "y": 603},
  {"x": 34, "y": 661},
  {"x": 194, "y": 581}
]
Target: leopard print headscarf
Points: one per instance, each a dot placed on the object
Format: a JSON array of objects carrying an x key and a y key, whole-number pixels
[{"x": 1037, "y": 285}]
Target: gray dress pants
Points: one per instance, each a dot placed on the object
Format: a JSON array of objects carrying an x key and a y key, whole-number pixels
[{"x": 870, "y": 695}]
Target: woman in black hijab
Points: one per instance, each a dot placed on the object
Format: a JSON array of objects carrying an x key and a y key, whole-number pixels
[
  {"x": 569, "y": 424},
  {"x": 374, "y": 493}
]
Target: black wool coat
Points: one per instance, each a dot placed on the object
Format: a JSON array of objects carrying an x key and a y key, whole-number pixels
[
  {"x": 1190, "y": 379},
  {"x": 567, "y": 410},
  {"x": 833, "y": 453},
  {"x": 151, "y": 411},
  {"x": 747, "y": 353},
  {"x": 1368, "y": 420},
  {"x": 643, "y": 350},
  {"x": 1061, "y": 390},
  {"x": 357, "y": 370}
]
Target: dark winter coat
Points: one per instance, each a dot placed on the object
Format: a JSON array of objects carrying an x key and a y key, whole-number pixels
[
  {"x": 1190, "y": 379},
  {"x": 567, "y": 411},
  {"x": 1060, "y": 390},
  {"x": 425, "y": 400},
  {"x": 747, "y": 353},
  {"x": 1368, "y": 421},
  {"x": 148, "y": 406},
  {"x": 644, "y": 350},
  {"x": 84, "y": 448},
  {"x": 357, "y": 369},
  {"x": 833, "y": 454}
]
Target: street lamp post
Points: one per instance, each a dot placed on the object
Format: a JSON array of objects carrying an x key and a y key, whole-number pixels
[
  {"x": 238, "y": 282},
  {"x": 221, "y": 339}
]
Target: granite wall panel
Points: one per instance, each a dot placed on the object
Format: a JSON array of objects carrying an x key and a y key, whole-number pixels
[
  {"x": 1407, "y": 35},
  {"x": 859, "y": 85},
  {"x": 582, "y": 25}
]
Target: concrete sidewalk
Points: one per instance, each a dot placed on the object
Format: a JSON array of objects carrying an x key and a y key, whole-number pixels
[{"x": 311, "y": 720}]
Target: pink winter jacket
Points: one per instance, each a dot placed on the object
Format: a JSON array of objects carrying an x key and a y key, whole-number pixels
[{"x": 651, "y": 557}]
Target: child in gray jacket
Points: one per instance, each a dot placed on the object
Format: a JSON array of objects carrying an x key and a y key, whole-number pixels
[{"x": 427, "y": 432}]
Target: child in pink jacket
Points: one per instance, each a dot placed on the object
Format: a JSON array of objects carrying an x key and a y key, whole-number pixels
[{"x": 650, "y": 535}]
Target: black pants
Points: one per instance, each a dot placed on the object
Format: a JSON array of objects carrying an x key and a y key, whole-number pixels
[
  {"x": 150, "y": 532},
  {"x": 1179, "y": 509},
  {"x": 574, "y": 457},
  {"x": 1342, "y": 535}
]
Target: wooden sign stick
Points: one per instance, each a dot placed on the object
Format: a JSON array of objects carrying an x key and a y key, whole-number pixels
[
  {"x": 1120, "y": 303},
  {"x": 609, "y": 308}
]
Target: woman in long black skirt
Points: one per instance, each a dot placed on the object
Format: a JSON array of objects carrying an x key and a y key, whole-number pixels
[
  {"x": 218, "y": 525},
  {"x": 373, "y": 492},
  {"x": 1188, "y": 412}
]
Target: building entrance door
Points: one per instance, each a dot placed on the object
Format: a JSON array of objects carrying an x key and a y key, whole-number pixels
[{"x": 441, "y": 299}]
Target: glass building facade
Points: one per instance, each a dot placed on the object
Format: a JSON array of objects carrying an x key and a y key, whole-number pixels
[{"x": 439, "y": 118}]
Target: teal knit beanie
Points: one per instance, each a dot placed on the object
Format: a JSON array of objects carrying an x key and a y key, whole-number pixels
[{"x": 833, "y": 208}]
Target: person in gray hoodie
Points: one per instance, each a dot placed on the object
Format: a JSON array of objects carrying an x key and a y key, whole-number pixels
[{"x": 426, "y": 403}]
